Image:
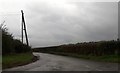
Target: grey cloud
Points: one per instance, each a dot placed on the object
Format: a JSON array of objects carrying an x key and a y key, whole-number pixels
[
  {"x": 52, "y": 26},
  {"x": 71, "y": 22}
]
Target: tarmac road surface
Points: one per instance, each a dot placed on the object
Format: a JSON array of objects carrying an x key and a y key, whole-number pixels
[{"x": 50, "y": 62}]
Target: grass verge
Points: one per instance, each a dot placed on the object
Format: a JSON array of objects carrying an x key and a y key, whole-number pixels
[
  {"x": 14, "y": 60},
  {"x": 104, "y": 58}
]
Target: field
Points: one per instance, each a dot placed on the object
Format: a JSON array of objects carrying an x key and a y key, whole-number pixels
[
  {"x": 105, "y": 58},
  {"x": 106, "y": 51}
]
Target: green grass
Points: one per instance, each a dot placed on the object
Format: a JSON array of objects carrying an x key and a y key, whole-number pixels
[
  {"x": 16, "y": 60},
  {"x": 104, "y": 58}
]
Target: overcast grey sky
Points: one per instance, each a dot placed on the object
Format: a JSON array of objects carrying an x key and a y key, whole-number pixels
[{"x": 55, "y": 22}]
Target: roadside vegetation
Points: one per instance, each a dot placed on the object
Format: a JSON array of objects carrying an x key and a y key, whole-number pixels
[
  {"x": 103, "y": 58},
  {"x": 14, "y": 52},
  {"x": 106, "y": 51},
  {"x": 14, "y": 60}
]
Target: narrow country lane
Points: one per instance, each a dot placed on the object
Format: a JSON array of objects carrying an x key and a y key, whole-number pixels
[{"x": 50, "y": 62}]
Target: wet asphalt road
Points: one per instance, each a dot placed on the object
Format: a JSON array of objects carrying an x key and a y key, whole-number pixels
[{"x": 50, "y": 62}]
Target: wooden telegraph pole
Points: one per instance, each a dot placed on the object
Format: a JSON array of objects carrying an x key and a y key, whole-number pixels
[{"x": 24, "y": 28}]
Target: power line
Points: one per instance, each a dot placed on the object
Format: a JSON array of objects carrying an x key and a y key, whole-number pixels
[{"x": 8, "y": 14}]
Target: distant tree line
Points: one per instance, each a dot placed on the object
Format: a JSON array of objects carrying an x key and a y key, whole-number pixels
[
  {"x": 87, "y": 48},
  {"x": 11, "y": 45}
]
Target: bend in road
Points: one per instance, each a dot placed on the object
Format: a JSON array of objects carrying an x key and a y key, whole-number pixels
[{"x": 50, "y": 62}]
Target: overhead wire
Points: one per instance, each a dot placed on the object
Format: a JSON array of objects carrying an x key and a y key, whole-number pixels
[{"x": 8, "y": 13}]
